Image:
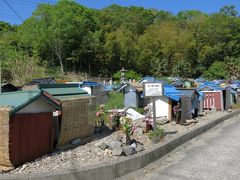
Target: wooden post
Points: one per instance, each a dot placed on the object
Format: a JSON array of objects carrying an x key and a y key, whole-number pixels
[{"x": 154, "y": 114}]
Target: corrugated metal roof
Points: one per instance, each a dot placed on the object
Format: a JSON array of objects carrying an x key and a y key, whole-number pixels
[
  {"x": 62, "y": 89},
  {"x": 69, "y": 97},
  {"x": 46, "y": 80},
  {"x": 210, "y": 86},
  {"x": 150, "y": 79},
  {"x": 19, "y": 99}
]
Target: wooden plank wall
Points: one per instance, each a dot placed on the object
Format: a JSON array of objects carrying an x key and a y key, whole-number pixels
[{"x": 31, "y": 136}]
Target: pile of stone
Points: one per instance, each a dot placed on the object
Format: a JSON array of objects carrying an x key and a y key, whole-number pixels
[{"x": 118, "y": 147}]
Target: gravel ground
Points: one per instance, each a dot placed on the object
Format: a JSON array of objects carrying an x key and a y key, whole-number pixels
[{"x": 90, "y": 153}]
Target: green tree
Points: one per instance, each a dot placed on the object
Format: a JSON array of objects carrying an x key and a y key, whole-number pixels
[
  {"x": 216, "y": 71},
  {"x": 232, "y": 67}
]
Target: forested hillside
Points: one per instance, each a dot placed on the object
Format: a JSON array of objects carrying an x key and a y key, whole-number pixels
[{"x": 68, "y": 37}]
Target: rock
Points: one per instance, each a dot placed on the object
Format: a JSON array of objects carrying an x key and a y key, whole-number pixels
[
  {"x": 103, "y": 146},
  {"x": 191, "y": 121},
  {"x": 124, "y": 140},
  {"x": 134, "y": 115},
  {"x": 213, "y": 110},
  {"x": 139, "y": 123},
  {"x": 108, "y": 151},
  {"x": 139, "y": 148},
  {"x": 117, "y": 151},
  {"x": 127, "y": 150},
  {"x": 133, "y": 145},
  {"x": 114, "y": 144},
  {"x": 173, "y": 123},
  {"x": 229, "y": 110},
  {"x": 76, "y": 142},
  {"x": 139, "y": 131},
  {"x": 162, "y": 121},
  {"x": 23, "y": 167},
  {"x": 117, "y": 137}
]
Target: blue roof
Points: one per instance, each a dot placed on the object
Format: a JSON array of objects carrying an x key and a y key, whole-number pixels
[
  {"x": 210, "y": 85},
  {"x": 89, "y": 83},
  {"x": 107, "y": 88},
  {"x": 171, "y": 92}
]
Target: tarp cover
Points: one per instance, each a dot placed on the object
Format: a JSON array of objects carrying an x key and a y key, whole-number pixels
[{"x": 171, "y": 92}]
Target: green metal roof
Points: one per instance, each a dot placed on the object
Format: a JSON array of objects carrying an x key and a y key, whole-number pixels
[
  {"x": 62, "y": 89},
  {"x": 19, "y": 99},
  {"x": 69, "y": 97}
]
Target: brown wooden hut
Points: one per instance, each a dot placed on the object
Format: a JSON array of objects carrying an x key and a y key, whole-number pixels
[{"x": 26, "y": 126}]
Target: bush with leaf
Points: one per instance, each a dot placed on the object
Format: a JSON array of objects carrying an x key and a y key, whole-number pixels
[
  {"x": 158, "y": 133},
  {"x": 130, "y": 74}
]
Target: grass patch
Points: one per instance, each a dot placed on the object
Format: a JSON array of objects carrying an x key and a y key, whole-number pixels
[
  {"x": 115, "y": 101},
  {"x": 235, "y": 106}
]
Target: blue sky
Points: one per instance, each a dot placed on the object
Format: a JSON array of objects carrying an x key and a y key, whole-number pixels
[{"x": 25, "y": 7}]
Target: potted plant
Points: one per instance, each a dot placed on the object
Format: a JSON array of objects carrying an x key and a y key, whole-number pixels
[
  {"x": 156, "y": 135},
  {"x": 100, "y": 118},
  {"x": 126, "y": 126},
  {"x": 115, "y": 119}
]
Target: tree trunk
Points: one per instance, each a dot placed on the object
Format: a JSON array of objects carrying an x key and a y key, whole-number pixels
[
  {"x": 59, "y": 55},
  {"x": 61, "y": 65}
]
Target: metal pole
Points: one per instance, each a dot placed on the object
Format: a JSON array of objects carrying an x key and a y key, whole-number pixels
[{"x": 154, "y": 114}]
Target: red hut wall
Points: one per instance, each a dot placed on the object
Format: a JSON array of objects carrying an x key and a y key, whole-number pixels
[
  {"x": 213, "y": 98},
  {"x": 31, "y": 136}
]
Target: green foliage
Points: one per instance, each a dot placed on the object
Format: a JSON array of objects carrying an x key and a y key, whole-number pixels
[
  {"x": 20, "y": 68},
  {"x": 139, "y": 110},
  {"x": 115, "y": 101},
  {"x": 215, "y": 71},
  {"x": 232, "y": 68},
  {"x": 67, "y": 36},
  {"x": 126, "y": 125},
  {"x": 158, "y": 133},
  {"x": 130, "y": 74}
]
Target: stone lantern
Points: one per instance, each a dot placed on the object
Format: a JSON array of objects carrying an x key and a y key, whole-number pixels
[{"x": 123, "y": 74}]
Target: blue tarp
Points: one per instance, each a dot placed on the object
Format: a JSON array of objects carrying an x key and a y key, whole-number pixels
[
  {"x": 171, "y": 92},
  {"x": 88, "y": 83}
]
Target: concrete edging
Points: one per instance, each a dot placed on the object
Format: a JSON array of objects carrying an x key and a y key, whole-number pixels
[{"x": 130, "y": 164}]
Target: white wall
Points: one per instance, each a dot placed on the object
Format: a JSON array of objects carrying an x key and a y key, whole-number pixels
[
  {"x": 88, "y": 89},
  {"x": 37, "y": 106},
  {"x": 162, "y": 107}
]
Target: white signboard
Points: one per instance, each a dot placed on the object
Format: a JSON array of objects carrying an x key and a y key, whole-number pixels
[{"x": 153, "y": 89}]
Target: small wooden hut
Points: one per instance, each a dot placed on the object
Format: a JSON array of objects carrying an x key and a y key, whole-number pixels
[
  {"x": 26, "y": 126},
  {"x": 78, "y": 111}
]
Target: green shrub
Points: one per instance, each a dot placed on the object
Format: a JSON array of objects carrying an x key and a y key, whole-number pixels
[
  {"x": 158, "y": 133},
  {"x": 130, "y": 74}
]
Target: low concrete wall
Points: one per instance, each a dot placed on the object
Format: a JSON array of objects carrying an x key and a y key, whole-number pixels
[{"x": 131, "y": 163}]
